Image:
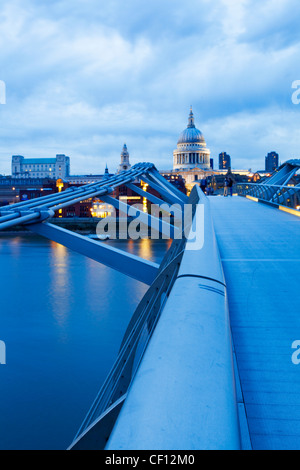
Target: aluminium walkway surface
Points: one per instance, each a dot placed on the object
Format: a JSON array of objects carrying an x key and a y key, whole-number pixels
[{"x": 260, "y": 250}]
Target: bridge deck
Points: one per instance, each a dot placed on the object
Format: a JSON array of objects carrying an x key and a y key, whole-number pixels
[{"x": 260, "y": 249}]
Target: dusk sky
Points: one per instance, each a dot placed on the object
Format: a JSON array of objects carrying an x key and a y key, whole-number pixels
[{"x": 85, "y": 76}]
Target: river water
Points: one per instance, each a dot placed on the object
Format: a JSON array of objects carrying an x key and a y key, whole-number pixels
[{"x": 62, "y": 318}]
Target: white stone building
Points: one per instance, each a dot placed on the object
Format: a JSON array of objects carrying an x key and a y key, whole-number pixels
[
  {"x": 55, "y": 168},
  {"x": 191, "y": 149}
]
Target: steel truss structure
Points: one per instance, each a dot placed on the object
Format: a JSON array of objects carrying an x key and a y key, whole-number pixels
[
  {"x": 185, "y": 310},
  {"x": 277, "y": 189}
]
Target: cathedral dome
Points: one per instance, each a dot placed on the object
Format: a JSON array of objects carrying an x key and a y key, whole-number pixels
[
  {"x": 191, "y": 149},
  {"x": 191, "y": 136}
]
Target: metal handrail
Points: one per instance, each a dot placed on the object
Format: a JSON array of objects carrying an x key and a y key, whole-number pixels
[
  {"x": 133, "y": 346},
  {"x": 269, "y": 185},
  {"x": 288, "y": 196},
  {"x": 132, "y": 349},
  {"x": 183, "y": 395}
]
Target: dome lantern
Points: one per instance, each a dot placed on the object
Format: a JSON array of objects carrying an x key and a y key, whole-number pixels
[{"x": 191, "y": 122}]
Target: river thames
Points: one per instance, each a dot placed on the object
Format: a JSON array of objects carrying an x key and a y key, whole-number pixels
[{"x": 62, "y": 318}]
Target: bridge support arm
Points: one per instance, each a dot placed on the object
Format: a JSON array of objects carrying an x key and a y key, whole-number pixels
[
  {"x": 155, "y": 200},
  {"x": 126, "y": 263},
  {"x": 156, "y": 176},
  {"x": 165, "y": 228},
  {"x": 164, "y": 191}
]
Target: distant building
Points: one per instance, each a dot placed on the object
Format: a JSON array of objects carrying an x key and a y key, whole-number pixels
[
  {"x": 14, "y": 190},
  {"x": 79, "y": 180},
  {"x": 224, "y": 161},
  {"x": 175, "y": 179},
  {"x": 272, "y": 162},
  {"x": 192, "y": 162},
  {"x": 53, "y": 168},
  {"x": 87, "y": 179},
  {"x": 125, "y": 164},
  {"x": 191, "y": 149}
]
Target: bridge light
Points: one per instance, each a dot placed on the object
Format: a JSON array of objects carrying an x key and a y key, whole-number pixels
[
  {"x": 145, "y": 201},
  {"x": 59, "y": 185}
]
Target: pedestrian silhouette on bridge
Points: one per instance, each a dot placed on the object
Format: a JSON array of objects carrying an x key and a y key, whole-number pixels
[
  {"x": 230, "y": 186},
  {"x": 203, "y": 185},
  {"x": 226, "y": 186}
]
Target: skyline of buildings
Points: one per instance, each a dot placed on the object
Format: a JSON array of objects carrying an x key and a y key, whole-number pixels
[{"x": 191, "y": 153}]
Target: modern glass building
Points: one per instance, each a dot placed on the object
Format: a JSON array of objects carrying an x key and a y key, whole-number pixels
[
  {"x": 224, "y": 161},
  {"x": 272, "y": 162}
]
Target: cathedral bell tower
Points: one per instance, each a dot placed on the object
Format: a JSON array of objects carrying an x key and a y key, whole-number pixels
[{"x": 125, "y": 164}]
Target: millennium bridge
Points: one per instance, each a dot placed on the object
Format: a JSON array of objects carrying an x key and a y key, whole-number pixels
[{"x": 206, "y": 361}]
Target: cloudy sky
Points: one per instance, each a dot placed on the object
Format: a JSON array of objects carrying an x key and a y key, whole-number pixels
[{"x": 84, "y": 76}]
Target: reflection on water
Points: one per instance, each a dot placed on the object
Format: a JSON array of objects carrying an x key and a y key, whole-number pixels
[
  {"x": 146, "y": 249},
  {"x": 60, "y": 284},
  {"x": 62, "y": 317}
]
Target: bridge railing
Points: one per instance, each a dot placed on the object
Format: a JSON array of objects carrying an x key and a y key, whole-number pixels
[
  {"x": 98, "y": 424},
  {"x": 99, "y": 421},
  {"x": 288, "y": 196},
  {"x": 182, "y": 394}
]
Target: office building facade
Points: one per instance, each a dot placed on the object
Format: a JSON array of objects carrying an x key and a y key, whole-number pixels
[
  {"x": 53, "y": 168},
  {"x": 272, "y": 162},
  {"x": 224, "y": 161}
]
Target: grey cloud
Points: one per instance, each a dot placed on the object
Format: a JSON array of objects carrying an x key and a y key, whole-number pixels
[{"x": 83, "y": 80}]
